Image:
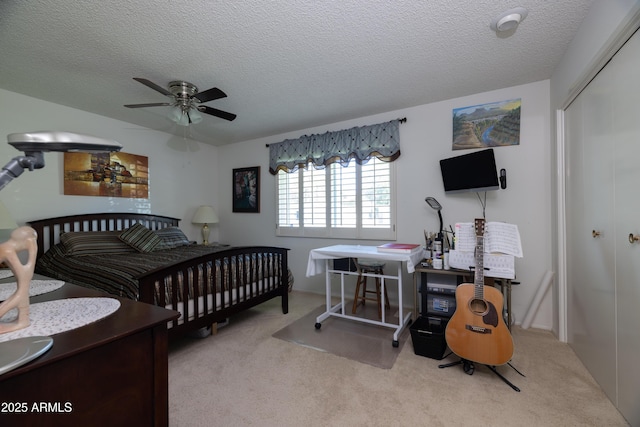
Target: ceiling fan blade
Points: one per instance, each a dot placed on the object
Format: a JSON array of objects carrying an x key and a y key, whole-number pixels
[
  {"x": 153, "y": 86},
  {"x": 155, "y": 104},
  {"x": 210, "y": 95},
  {"x": 217, "y": 113}
]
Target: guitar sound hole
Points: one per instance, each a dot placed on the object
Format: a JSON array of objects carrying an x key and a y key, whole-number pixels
[{"x": 478, "y": 306}]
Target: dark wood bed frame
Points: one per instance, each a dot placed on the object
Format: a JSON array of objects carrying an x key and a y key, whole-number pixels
[{"x": 276, "y": 285}]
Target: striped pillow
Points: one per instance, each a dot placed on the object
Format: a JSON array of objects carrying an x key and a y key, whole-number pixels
[
  {"x": 172, "y": 237},
  {"x": 79, "y": 243},
  {"x": 140, "y": 238}
]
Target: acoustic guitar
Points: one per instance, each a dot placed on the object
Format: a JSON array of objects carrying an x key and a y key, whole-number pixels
[{"x": 477, "y": 331}]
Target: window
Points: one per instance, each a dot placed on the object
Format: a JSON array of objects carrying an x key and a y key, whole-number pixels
[{"x": 353, "y": 201}]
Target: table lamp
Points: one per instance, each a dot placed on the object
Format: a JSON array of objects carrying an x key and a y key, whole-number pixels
[
  {"x": 205, "y": 215},
  {"x": 23, "y": 239},
  {"x": 437, "y": 206}
]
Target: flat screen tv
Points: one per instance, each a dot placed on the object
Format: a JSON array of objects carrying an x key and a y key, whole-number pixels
[{"x": 471, "y": 172}]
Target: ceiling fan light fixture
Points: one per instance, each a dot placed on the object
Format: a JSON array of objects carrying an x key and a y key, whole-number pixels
[
  {"x": 175, "y": 114},
  {"x": 509, "y": 20},
  {"x": 194, "y": 115},
  {"x": 184, "y": 120},
  {"x": 178, "y": 115}
]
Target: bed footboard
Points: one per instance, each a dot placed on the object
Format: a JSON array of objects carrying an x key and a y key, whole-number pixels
[{"x": 212, "y": 287}]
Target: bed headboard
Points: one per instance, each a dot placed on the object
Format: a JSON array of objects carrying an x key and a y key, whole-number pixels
[{"x": 49, "y": 229}]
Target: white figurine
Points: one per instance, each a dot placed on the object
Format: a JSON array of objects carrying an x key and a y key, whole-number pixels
[{"x": 22, "y": 239}]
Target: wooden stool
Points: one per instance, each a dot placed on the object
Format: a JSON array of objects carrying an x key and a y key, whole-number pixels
[{"x": 372, "y": 267}]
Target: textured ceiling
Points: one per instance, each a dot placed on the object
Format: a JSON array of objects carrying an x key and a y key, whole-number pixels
[{"x": 285, "y": 65}]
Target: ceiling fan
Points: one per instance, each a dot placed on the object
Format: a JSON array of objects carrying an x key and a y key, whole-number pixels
[{"x": 186, "y": 101}]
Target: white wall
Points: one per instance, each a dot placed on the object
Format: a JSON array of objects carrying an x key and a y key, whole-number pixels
[
  {"x": 180, "y": 170},
  {"x": 606, "y": 20},
  {"x": 425, "y": 139}
]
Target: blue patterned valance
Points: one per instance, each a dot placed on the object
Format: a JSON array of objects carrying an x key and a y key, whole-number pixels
[{"x": 359, "y": 143}]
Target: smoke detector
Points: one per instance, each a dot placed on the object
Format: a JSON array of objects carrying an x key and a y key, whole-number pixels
[{"x": 508, "y": 20}]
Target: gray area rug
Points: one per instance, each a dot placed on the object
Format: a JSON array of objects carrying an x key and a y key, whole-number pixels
[{"x": 362, "y": 342}]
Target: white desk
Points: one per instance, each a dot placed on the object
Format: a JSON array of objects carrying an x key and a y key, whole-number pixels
[{"x": 319, "y": 263}]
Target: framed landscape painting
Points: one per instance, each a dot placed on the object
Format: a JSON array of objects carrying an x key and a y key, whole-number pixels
[
  {"x": 246, "y": 190},
  {"x": 495, "y": 124}
]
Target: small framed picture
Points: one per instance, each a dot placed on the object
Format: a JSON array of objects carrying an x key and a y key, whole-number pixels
[{"x": 246, "y": 190}]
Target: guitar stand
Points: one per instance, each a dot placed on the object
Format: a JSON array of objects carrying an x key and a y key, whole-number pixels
[{"x": 468, "y": 367}]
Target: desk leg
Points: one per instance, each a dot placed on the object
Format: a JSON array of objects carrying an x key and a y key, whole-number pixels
[
  {"x": 402, "y": 319},
  {"x": 509, "y": 304},
  {"x": 400, "y": 304},
  {"x": 505, "y": 289},
  {"x": 415, "y": 295},
  {"x": 342, "y": 295},
  {"x": 327, "y": 284},
  {"x": 330, "y": 309}
]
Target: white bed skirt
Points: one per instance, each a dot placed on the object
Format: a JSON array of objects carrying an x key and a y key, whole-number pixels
[{"x": 230, "y": 298}]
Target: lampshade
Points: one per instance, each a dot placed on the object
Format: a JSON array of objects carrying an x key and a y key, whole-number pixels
[
  {"x": 205, "y": 215},
  {"x": 184, "y": 117},
  {"x": 6, "y": 220},
  {"x": 195, "y": 116}
]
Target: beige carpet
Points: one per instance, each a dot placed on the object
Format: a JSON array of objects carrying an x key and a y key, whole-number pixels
[
  {"x": 365, "y": 343},
  {"x": 245, "y": 377}
]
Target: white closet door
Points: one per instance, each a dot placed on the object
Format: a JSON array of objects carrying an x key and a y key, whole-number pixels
[
  {"x": 591, "y": 286},
  {"x": 603, "y": 195},
  {"x": 625, "y": 70}
]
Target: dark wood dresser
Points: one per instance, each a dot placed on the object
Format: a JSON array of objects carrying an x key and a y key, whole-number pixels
[{"x": 111, "y": 372}]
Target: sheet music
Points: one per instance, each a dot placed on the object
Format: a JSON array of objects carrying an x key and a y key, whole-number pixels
[
  {"x": 497, "y": 265},
  {"x": 504, "y": 238},
  {"x": 499, "y": 237},
  {"x": 465, "y": 239}
]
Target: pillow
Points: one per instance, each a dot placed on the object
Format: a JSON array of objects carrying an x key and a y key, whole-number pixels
[
  {"x": 79, "y": 243},
  {"x": 172, "y": 237},
  {"x": 140, "y": 238}
]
